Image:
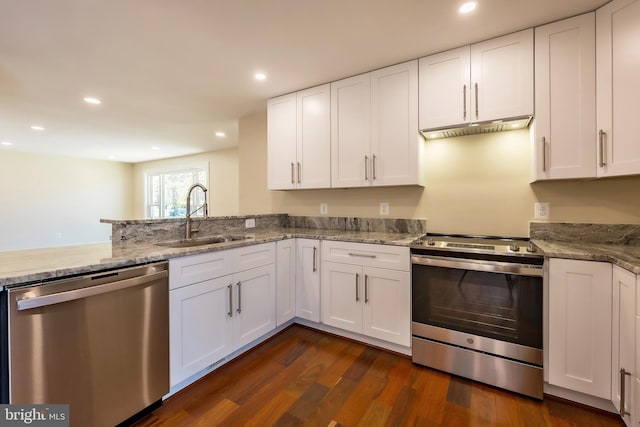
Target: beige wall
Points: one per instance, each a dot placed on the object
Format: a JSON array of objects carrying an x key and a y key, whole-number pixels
[
  {"x": 223, "y": 180},
  {"x": 475, "y": 184},
  {"x": 53, "y": 201}
]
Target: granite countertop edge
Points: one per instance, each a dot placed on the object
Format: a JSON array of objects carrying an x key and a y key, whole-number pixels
[
  {"x": 61, "y": 262},
  {"x": 625, "y": 256}
]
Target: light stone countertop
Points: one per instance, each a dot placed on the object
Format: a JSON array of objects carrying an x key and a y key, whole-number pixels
[
  {"x": 37, "y": 265},
  {"x": 625, "y": 256}
]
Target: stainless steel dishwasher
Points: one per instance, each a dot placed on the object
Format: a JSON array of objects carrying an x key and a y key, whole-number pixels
[{"x": 99, "y": 343}]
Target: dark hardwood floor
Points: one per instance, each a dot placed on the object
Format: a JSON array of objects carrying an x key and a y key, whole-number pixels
[{"x": 302, "y": 377}]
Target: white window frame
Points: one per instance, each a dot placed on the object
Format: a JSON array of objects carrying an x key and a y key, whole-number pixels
[{"x": 183, "y": 167}]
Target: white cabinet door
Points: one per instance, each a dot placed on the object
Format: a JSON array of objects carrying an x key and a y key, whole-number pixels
[
  {"x": 623, "y": 345},
  {"x": 387, "y": 305},
  {"x": 285, "y": 280},
  {"x": 200, "y": 327},
  {"x": 351, "y": 131},
  {"x": 313, "y": 168},
  {"x": 254, "y": 304},
  {"x": 618, "y": 87},
  {"x": 502, "y": 77},
  {"x": 342, "y": 291},
  {"x": 565, "y": 77},
  {"x": 308, "y": 279},
  {"x": 281, "y": 137},
  {"x": 580, "y": 298},
  {"x": 445, "y": 97},
  {"x": 394, "y": 125}
]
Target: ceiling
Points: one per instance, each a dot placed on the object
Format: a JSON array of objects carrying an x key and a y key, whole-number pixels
[{"x": 172, "y": 73}]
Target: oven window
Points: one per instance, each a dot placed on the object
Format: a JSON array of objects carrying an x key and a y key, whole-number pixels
[{"x": 496, "y": 305}]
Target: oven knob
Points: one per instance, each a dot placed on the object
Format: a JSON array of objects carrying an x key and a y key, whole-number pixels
[
  {"x": 469, "y": 340},
  {"x": 431, "y": 242},
  {"x": 531, "y": 248},
  {"x": 514, "y": 247}
]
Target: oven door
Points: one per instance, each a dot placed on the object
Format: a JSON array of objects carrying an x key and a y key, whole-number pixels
[{"x": 497, "y": 300}]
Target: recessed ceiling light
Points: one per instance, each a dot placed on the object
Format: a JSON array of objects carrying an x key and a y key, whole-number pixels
[
  {"x": 35, "y": 127},
  {"x": 515, "y": 125},
  {"x": 260, "y": 76},
  {"x": 467, "y": 7},
  {"x": 434, "y": 135},
  {"x": 473, "y": 124},
  {"x": 91, "y": 100},
  {"x": 6, "y": 143},
  {"x": 220, "y": 134},
  {"x": 155, "y": 148}
]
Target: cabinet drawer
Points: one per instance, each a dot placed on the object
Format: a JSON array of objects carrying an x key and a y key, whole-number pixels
[
  {"x": 253, "y": 256},
  {"x": 198, "y": 268},
  {"x": 370, "y": 255}
]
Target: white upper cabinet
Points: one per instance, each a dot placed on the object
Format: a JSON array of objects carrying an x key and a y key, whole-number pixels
[
  {"x": 374, "y": 128},
  {"x": 565, "y": 99},
  {"x": 618, "y": 87},
  {"x": 445, "y": 96},
  {"x": 486, "y": 81},
  {"x": 351, "y": 131},
  {"x": 502, "y": 77},
  {"x": 298, "y": 133}
]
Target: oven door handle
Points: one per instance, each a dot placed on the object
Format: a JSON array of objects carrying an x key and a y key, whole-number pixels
[{"x": 478, "y": 265}]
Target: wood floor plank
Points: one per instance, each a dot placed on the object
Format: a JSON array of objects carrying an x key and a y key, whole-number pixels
[{"x": 305, "y": 377}]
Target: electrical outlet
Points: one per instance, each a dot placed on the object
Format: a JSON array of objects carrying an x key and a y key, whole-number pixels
[
  {"x": 384, "y": 208},
  {"x": 250, "y": 223},
  {"x": 324, "y": 209},
  {"x": 541, "y": 210}
]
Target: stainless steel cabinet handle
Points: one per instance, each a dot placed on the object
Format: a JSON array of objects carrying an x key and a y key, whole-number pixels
[
  {"x": 357, "y": 286},
  {"x": 623, "y": 375},
  {"x": 230, "y": 312},
  {"x": 373, "y": 167},
  {"x": 476, "y": 100},
  {"x": 366, "y": 288},
  {"x": 362, "y": 255},
  {"x": 544, "y": 153},
  {"x": 299, "y": 175},
  {"x": 239, "y": 310},
  {"x": 464, "y": 102},
  {"x": 478, "y": 265},
  {"x": 292, "y": 179},
  {"x": 366, "y": 167},
  {"x": 315, "y": 253},
  {"x": 44, "y": 300},
  {"x": 601, "y": 141}
]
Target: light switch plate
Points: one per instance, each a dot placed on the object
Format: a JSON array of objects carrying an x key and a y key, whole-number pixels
[
  {"x": 250, "y": 223},
  {"x": 324, "y": 209},
  {"x": 384, "y": 208},
  {"x": 541, "y": 210}
]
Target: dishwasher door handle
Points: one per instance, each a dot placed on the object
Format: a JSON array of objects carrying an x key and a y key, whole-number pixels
[{"x": 44, "y": 300}]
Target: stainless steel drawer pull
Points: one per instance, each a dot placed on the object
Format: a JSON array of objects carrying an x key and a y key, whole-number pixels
[
  {"x": 299, "y": 173},
  {"x": 366, "y": 288},
  {"x": 44, "y": 300},
  {"x": 239, "y": 310},
  {"x": 601, "y": 141},
  {"x": 544, "y": 154},
  {"x": 373, "y": 167},
  {"x": 362, "y": 255},
  {"x": 357, "y": 286},
  {"x": 366, "y": 167},
  {"x": 476, "y": 100},
  {"x": 623, "y": 375},
  {"x": 315, "y": 262},
  {"x": 230, "y": 312},
  {"x": 464, "y": 102},
  {"x": 292, "y": 179}
]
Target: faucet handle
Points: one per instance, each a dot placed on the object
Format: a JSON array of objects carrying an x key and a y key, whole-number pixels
[{"x": 205, "y": 210}]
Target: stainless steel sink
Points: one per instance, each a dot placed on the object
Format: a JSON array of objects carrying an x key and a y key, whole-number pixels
[{"x": 210, "y": 240}]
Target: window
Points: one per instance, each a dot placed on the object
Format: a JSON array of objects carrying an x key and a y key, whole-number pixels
[{"x": 166, "y": 192}]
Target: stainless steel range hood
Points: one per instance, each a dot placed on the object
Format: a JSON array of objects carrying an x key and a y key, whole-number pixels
[{"x": 512, "y": 123}]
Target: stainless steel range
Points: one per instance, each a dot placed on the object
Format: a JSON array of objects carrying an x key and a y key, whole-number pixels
[{"x": 477, "y": 309}]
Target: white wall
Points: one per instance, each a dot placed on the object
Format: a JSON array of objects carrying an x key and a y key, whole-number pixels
[{"x": 54, "y": 201}]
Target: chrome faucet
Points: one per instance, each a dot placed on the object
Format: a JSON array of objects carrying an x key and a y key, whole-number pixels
[{"x": 189, "y": 213}]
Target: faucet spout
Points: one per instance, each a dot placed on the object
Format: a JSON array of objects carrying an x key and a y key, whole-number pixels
[{"x": 203, "y": 207}]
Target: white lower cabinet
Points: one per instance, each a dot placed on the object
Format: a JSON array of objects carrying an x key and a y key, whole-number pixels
[
  {"x": 307, "y": 279},
  {"x": 580, "y": 300},
  {"x": 285, "y": 280},
  {"x": 212, "y": 313},
  {"x": 368, "y": 300}
]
